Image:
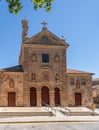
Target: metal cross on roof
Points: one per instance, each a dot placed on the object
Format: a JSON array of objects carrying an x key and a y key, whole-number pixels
[{"x": 44, "y": 23}]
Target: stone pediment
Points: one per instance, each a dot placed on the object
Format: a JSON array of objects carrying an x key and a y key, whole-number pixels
[{"x": 46, "y": 37}]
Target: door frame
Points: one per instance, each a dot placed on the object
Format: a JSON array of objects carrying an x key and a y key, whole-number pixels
[
  {"x": 45, "y": 96},
  {"x": 57, "y": 96},
  {"x": 78, "y": 99},
  {"x": 33, "y": 94},
  {"x": 11, "y": 95}
]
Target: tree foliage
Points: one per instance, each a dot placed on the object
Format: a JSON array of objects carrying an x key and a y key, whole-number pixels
[{"x": 16, "y": 5}]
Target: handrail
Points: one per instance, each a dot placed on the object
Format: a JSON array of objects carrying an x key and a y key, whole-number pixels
[
  {"x": 58, "y": 106},
  {"x": 49, "y": 107},
  {"x": 64, "y": 108},
  {"x": 67, "y": 110}
]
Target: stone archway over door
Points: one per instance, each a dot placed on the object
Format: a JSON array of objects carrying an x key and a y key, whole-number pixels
[
  {"x": 33, "y": 97},
  {"x": 45, "y": 95},
  {"x": 57, "y": 96},
  {"x": 78, "y": 99},
  {"x": 11, "y": 99}
]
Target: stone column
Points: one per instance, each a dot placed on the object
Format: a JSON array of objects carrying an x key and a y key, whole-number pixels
[
  {"x": 63, "y": 98},
  {"x": 26, "y": 97},
  {"x": 39, "y": 104},
  {"x": 51, "y": 96}
]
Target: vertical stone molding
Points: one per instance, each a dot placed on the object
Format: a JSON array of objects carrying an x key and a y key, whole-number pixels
[
  {"x": 39, "y": 104},
  {"x": 51, "y": 94}
]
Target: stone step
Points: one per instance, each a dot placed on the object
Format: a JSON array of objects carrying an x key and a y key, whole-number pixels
[
  {"x": 77, "y": 111},
  {"x": 26, "y": 114},
  {"x": 24, "y": 111},
  {"x": 80, "y": 113}
]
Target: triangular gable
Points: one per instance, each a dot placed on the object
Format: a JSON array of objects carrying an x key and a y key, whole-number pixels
[{"x": 52, "y": 38}]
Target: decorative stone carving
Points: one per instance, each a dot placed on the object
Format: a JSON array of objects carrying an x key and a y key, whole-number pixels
[
  {"x": 33, "y": 77},
  {"x": 57, "y": 58},
  {"x": 11, "y": 83},
  {"x": 45, "y": 76},
  {"x": 77, "y": 84},
  {"x": 34, "y": 58},
  {"x": 57, "y": 77}
]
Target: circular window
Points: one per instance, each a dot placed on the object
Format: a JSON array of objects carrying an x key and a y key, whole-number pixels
[{"x": 44, "y": 39}]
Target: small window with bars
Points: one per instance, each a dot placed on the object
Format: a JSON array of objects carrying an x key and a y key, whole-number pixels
[
  {"x": 45, "y": 58},
  {"x": 83, "y": 82},
  {"x": 72, "y": 81}
]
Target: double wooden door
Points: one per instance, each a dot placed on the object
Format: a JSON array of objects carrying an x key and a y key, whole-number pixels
[{"x": 45, "y": 95}]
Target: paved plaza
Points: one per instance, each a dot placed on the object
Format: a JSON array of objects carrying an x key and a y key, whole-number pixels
[
  {"x": 52, "y": 126},
  {"x": 60, "y": 121}
]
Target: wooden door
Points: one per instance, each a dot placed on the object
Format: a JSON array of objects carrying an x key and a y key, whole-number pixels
[
  {"x": 33, "y": 97},
  {"x": 11, "y": 99},
  {"x": 45, "y": 96},
  {"x": 78, "y": 99},
  {"x": 57, "y": 96}
]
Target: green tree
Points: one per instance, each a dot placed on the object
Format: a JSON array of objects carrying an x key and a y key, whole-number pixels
[{"x": 16, "y": 5}]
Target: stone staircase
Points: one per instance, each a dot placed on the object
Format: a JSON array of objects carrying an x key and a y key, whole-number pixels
[
  {"x": 77, "y": 111},
  {"x": 24, "y": 111},
  {"x": 45, "y": 111}
]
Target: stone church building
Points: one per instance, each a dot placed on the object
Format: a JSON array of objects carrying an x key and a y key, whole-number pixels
[{"x": 42, "y": 76}]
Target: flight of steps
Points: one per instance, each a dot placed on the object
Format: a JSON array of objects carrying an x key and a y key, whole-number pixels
[
  {"x": 77, "y": 111},
  {"x": 24, "y": 111},
  {"x": 45, "y": 111}
]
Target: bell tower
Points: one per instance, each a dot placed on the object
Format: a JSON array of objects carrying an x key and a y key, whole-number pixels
[{"x": 24, "y": 29}]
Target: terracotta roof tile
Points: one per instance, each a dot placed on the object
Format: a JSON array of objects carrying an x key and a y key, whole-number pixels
[{"x": 76, "y": 71}]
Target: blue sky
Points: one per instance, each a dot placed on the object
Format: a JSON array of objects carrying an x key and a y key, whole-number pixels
[{"x": 76, "y": 20}]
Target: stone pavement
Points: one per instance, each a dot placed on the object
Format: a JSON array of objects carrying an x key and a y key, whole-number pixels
[{"x": 59, "y": 117}]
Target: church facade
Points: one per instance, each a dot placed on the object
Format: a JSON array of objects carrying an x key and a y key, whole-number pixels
[{"x": 42, "y": 77}]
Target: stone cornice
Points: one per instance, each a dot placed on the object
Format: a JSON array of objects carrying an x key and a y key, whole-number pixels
[{"x": 38, "y": 46}]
